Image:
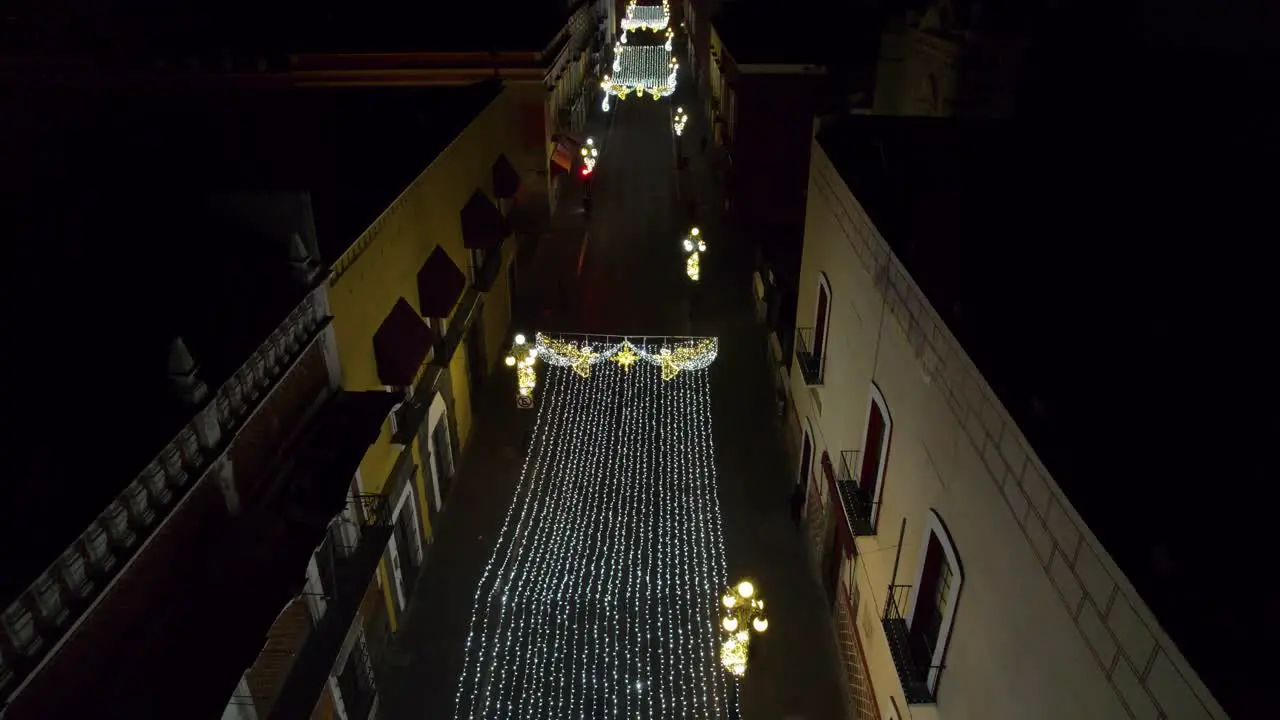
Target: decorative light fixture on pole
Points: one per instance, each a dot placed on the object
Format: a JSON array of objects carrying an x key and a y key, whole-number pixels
[
  {"x": 590, "y": 153},
  {"x": 743, "y": 614},
  {"x": 694, "y": 246},
  {"x": 524, "y": 358},
  {"x": 682, "y": 118}
]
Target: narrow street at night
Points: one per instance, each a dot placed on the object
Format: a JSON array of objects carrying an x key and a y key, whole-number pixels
[{"x": 619, "y": 271}]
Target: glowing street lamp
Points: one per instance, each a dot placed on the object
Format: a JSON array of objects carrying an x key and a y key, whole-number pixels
[
  {"x": 694, "y": 246},
  {"x": 590, "y": 154},
  {"x": 680, "y": 121},
  {"x": 743, "y": 616},
  {"x": 524, "y": 357}
]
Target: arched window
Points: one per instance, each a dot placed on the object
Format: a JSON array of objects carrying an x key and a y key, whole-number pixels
[
  {"x": 875, "y": 451},
  {"x": 933, "y": 599}
]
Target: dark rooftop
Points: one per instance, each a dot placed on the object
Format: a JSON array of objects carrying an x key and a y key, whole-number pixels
[
  {"x": 1103, "y": 281},
  {"x": 235, "y": 28},
  {"x": 354, "y": 149},
  {"x": 96, "y": 290},
  {"x": 109, "y": 265},
  {"x": 825, "y": 32}
]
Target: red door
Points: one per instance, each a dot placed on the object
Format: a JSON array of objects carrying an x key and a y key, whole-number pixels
[
  {"x": 872, "y": 452},
  {"x": 820, "y": 325}
]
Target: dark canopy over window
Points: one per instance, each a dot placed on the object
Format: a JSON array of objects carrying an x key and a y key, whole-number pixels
[
  {"x": 401, "y": 344},
  {"x": 440, "y": 284},
  {"x": 506, "y": 181},
  {"x": 482, "y": 225}
]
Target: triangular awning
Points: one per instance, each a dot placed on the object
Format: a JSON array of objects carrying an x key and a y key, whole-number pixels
[
  {"x": 482, "y": 225},
  {"x": 401, "y": 344},
  {"x": 564, "y": 153},
  {"x": 440, "y": 284},
  {"x": 506, "y": 181}
]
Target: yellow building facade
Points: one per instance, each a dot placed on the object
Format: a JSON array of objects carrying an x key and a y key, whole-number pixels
[{"x": 421, "y": 302}]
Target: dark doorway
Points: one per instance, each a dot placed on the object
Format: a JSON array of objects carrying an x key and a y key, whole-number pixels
[
  {"x": 931, "y": 604},
  {"x": 442, "y": 460},
  {"x": 873, "y": 451},
  {"x": 427, "y": 452},
  {"x": 806, "y": 463},
  {"x": 820, "y": 325},
  {"x": 356, "y": 683},
  {"x": 408, "y": 544},
  {"x": 831, "y": 578}
]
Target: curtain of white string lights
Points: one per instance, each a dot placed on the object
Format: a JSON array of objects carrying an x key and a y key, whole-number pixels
[{"x": 601, "y": 598}]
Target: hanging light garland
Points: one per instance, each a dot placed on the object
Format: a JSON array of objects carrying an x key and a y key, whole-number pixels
[
  {"x": 600, "y": 597},
  {"x": 646, "y": 17},
  {"x": 681, "y": 119},
  {"x": 640, "y": 69},
  {"x": 743, "y": 614},
  {"x": 673, "y": 358},
  {"x": 524, "y": 357}
]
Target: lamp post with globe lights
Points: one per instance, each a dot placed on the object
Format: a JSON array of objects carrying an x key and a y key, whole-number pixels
[
  {"x": 743, "y": 616},
  {"x": 524, "y": 357},
  {"x": 694, "y": 245}
]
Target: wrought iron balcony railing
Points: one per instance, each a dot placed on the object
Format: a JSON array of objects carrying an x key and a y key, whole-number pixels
[
  {"x": 859, "y": 507},
  {"x": 810, "y": 362},
  {"x": 911, "y": 652},
  {"x": 347, "y": 561}
]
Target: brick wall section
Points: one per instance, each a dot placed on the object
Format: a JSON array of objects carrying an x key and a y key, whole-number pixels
[
  {"x": 284, "y": 639},
  {"x": 102, "y": 640},
  {"x": 279, "y": 415},
  {"x": 1143, "y": 666}
]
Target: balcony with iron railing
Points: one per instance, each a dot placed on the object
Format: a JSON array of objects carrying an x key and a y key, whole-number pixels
[
  {"x": 347, "y": 561},
  {"x": 39, "y": 619},
  {"x": 912, "y": 652},
  {"x": 809, "y": 361},
  {"x": 859, "y": 507}
]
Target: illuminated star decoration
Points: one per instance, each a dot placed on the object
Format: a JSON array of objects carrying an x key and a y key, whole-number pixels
[{"x": 626, "y": 357}]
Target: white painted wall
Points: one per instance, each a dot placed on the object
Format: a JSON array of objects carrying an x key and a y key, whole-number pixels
[{"x": 1046, "y": 626}]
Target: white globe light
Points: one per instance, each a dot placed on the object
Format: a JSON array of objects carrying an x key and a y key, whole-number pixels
[
  {"x": 510, "y": 361},
  {"x": 760, "y": 624},
  {"x": 520, "y": 339},
  {"x": 746, "y": 589}
]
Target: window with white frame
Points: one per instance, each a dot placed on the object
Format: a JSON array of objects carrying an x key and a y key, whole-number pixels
[{"x": 934, "y": 595}]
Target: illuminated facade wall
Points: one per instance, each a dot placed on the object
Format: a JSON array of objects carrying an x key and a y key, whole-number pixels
[
  {"x": 1027, "y": 579},
  {"x": 381, "y": 269}
]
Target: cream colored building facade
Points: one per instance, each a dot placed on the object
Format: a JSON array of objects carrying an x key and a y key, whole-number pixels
[{"x": 1027, "y": 616}]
